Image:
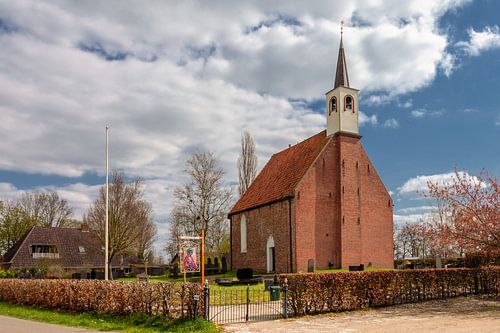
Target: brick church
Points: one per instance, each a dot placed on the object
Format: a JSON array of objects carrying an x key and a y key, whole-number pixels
[{"x": 319, "y": 203}]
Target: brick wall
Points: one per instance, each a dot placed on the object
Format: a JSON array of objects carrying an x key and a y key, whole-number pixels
[
  {"x": 334, "y": 223},
  {"x": 368, "y": 240},
  {"x": 317, "y": 197},
  {"x": 262, "y": 222}
]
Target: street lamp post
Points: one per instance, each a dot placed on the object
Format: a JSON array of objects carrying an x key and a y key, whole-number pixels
[{"x": 106, "y": 228}]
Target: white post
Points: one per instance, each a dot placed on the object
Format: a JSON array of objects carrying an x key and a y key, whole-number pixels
[{"x": 106, "y": 237}]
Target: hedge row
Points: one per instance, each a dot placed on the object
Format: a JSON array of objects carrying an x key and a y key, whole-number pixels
[
  {"x": 333, "y": 292},
  {"x": 482, "y": 258},
  {"x": 111, "y": 297}
]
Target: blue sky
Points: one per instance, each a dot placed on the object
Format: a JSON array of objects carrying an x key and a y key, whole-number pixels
[{"x": 169, "y": 78}]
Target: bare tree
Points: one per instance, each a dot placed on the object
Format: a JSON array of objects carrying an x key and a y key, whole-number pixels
[
  {"x": 130, "y": 217},
  {"x": 202, "y": 202},
  {"x": 48, "y": 209},
  {"x": 247, "y": 163},
  {"x": 146, "y": 240}
]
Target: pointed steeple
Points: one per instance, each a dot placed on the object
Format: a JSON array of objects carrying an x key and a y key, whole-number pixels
[{"x": 341, "y": 76}]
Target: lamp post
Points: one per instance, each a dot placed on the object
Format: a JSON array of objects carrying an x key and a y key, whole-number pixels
[{"x": 106, "y": 227}]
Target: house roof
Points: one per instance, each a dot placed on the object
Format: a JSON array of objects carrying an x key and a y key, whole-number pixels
[
  {"x": 281, "y": 174},
  {"x": 68, "y": 241}
]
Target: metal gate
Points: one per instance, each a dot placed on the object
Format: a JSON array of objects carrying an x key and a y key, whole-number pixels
[{"x": 225, "y": 305}]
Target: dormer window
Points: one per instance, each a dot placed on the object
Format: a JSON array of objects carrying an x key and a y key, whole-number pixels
[
  {"x": 44, "y": 251},
  {"x": 333, "y": 104},
  {"x": 349, "y": 103}
]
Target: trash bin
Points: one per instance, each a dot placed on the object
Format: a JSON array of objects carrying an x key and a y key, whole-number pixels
[{"x": 274, "y": 292}]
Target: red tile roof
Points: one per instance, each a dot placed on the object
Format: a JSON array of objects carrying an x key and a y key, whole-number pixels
[{"x": 282, "y": 173}]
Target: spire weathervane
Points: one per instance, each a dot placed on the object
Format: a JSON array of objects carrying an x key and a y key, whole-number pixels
[{"x": 341, "y": 76}]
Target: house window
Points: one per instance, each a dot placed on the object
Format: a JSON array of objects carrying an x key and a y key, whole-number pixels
[
  {"x": 44, "y": 251},
  {"x": 333, "y": 104},
  {"x": 349, "y": 103},
  {"x": 243, "y": 234},
  {"x": 81, "y": 249}
]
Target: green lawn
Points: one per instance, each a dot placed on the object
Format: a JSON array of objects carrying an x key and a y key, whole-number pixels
[
  {"x": 165, "y": 278},
  {"x": 133, "y": 324}
]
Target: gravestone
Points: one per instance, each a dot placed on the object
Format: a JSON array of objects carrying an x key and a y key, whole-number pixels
[
  {"x": 310, "y": 266},
  {"x": 224, "y": 265},
  {"x": 438, "y": 262},
  {"x": 244, "y": 273}
]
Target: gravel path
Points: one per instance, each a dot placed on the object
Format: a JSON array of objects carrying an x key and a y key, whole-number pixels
[{"x": 462, "y": 314}]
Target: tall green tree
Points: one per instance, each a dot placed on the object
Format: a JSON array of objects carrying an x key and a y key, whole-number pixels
[{"x": 14, "y": 224}]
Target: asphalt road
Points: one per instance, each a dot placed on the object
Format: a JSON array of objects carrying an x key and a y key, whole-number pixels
[{"x": 14, "y": 325}]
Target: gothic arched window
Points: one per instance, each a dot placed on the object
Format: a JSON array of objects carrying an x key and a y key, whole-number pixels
[
  {"x": 333, "y": 105},
  {"x": 243, "y": 234},
  {"x": 349, "y": 103}
]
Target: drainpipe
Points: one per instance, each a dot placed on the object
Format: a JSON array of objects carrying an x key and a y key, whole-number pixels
[
  {"x": 290, "y": 232},
  {"x": 231, "y": 240}
]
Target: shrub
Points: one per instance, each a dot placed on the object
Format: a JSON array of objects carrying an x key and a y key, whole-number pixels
[
  {"x": 109, "y": 297},
  {"x": 8, "y": 274},
  {"x": 332, "y": 292},
  {"x": 55, "y": 272}
]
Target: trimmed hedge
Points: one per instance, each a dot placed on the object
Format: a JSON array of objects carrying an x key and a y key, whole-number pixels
[
  {"x": 482, "y": 258},
  {"x": 108, "y": 297},
  {"x": 334, "y": 292}
]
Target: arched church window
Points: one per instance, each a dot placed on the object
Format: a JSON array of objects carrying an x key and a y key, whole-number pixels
[
  {"x": 349, "y": 103},
  {"x": 333, "y": 104},
  {"x": 243, "y": 234}
]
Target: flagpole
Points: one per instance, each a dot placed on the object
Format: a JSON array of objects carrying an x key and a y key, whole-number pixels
[{"x": 106, "y": 231}]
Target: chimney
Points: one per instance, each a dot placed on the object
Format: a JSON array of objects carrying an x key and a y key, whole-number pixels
[{"x": 85, "y": 227}]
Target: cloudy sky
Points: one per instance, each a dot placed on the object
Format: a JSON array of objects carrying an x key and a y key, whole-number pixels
[{"x": 170, "y": 77}]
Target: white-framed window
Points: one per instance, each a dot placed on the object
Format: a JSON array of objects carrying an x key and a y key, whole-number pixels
[
  {"x": 349, "y": 103},
  {"x": 243, "y": 234},
  {"x": 44, "y": 251},
  {"x": 333, "y": 105}
]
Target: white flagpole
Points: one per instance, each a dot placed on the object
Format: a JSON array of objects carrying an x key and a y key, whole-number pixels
[{"x": 106, "y": 236}]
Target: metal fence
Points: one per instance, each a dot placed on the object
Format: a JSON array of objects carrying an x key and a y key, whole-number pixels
[{"x": 225, "y": 305}]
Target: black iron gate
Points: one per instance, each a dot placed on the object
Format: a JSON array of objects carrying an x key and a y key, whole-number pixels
[{"x": 225, "y": 305}]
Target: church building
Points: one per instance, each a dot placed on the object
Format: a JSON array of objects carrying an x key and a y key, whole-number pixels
[{"x": 319, "y": 203}]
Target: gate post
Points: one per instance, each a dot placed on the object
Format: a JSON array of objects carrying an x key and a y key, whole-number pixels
[
  {"x": 285, "y": 298},
  {"x": 248, "y": 302},
  {"x": 206, "y": 300}
]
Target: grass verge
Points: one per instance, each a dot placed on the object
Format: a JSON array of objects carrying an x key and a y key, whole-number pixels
[{"x": 139, "y": 323}]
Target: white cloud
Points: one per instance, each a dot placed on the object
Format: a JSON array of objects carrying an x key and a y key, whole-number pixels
[
  {"x": 417, "y": 187},
  {"x": 407, "y": 104},
  {"x": 400, "y": 220},
  {"x": 480, "y": 41},
  {"x": 391, "y": 123},
  {"x": 183, "y": 83},
  {"x": 470, "y": 110},
  {"x": 365, "y": 119},
  {"x": 418, "y": 209},
  {"x": 421, "y": 113}
]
